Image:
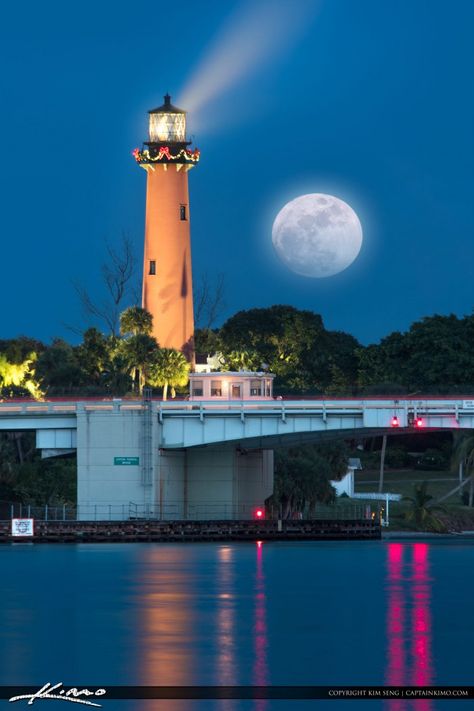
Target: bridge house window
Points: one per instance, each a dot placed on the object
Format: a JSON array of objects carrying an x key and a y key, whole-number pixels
[
  {"x": 256, "y": 388},
  {"x": 268, "y": 388},
  {"x": 197, "y": 388},
  {"x": 152, "y": 267},
  {"x": 216, "y": 388},
  {"x": 236, "y": 391},
  {"x": 182, "y": 212}
]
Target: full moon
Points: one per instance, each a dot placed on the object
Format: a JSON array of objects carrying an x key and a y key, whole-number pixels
[{"x": 317, "y": 235}]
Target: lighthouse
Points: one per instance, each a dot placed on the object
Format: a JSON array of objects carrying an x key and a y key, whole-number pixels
[{"x": 167, "y": 275}]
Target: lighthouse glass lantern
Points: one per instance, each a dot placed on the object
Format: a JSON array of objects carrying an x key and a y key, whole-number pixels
[{"x": 167, "y": 124}]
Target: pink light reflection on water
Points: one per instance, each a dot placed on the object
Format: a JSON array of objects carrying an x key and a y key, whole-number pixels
[
  {"x": 409, "y": 659},
  {"x": 421, "y": 670},
  {"x": 396, "y": 615}
]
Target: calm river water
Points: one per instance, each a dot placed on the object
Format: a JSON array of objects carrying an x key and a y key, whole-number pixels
[{"x": 315, "y": 613}]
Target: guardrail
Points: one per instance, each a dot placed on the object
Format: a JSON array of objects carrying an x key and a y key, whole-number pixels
[
  {"x": 174, "y": 511},
  {"x": 190, "y": 407}
]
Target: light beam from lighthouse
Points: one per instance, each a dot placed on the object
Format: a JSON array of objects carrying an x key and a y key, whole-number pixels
[{"x": 167, "y": 276}]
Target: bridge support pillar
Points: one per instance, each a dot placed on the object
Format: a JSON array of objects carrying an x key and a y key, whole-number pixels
[
  {"x": 213, "y": 483},
  {"x": 216, "y": 482}
]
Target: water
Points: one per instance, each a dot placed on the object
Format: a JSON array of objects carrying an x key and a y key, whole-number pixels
[{"x": 310, "y": 613}]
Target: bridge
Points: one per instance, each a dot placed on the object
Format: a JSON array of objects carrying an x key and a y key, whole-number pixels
[{"x": 176, "y": 458}]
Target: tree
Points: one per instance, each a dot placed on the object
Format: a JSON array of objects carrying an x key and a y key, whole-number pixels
[
  {"x": 116, "y": 377},
  {"x": 340, "y": 362},
  {"x": 241, "y": 360},
  {"x": 282, "y": 337},
  {"x": 435, "y": 355},
  {"x": 440, "y": 353},
  {"x": 139, "y": 353},
  {"x": 169, "y": 369},
  {"x": 47, "y": 481},
  {"x": 58, "y": 367},
  {"x": 302, "y": 475},
  {"x": 463, "y": 452},
  {"x": 208, "y": 300},
  {"x": 295, "y": 346},
  {"x": 383, "y": 366},
  {"x": 8, "y": 469},
  {"x": 94, "y": 355},
  {"x": 17, "y": 350},
  {"x": 135, "y": 321},
  {"x": 19, "y": 375},
  {"x": 206, "y": 341},
  {"x": 422, "y": 508},
  {"x": 118, "y": 277}
]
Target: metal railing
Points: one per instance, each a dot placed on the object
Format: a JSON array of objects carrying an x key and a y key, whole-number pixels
[
  {"x": 193, "y": 407},
  {"x": 175, "y": 512}
]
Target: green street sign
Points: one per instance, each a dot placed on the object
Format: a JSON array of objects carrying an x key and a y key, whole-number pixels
[{"x": 127, "y": 461}]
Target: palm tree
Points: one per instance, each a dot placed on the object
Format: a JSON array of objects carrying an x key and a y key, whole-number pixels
[
  {"x": 463, "y": 452},
  {"x": 169, "y": 369},
  {"x": 136, "y": 321},
  {"x": 139, "y": 352},
  {"x": 421, "y": 509},
  {"x": 241, "y": 360}
]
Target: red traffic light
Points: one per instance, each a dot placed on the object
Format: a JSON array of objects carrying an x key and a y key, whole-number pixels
[
  {"x": 395, "y": 422},
  {"x": 259, "y": 513},
  {"x": 419, "y": 422}
]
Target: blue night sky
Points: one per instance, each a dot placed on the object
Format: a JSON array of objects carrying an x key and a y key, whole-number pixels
[{"x": 371, "y": 101}]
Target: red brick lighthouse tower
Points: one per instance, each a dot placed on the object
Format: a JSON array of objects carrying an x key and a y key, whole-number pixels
[{"x": 167, "y": 276}]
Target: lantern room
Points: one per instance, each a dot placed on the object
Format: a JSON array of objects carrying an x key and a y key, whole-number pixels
[{"x": 167, "y": 124}]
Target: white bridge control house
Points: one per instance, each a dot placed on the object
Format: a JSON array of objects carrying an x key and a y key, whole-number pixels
[{"x": 204, "y": 458}]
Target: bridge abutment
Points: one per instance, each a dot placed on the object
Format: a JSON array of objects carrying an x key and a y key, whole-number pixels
[{"x": 114, "y": 482}]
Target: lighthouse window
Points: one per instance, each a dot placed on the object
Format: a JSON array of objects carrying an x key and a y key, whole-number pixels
[
  {"x": 182, "y": 212},
  {"x": 152, "y": 267}
]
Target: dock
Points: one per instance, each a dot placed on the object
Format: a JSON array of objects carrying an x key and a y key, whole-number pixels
[{"x": 193, "y": 531}]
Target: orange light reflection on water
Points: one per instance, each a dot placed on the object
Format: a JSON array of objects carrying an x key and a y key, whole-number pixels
[
  {"x": 167, "y": 657},
  {"x": 170, "y": 644},
  {"x": 226, "y": 623}
]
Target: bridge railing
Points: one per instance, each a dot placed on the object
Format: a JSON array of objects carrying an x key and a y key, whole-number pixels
[{"x": 193, "y": 407}]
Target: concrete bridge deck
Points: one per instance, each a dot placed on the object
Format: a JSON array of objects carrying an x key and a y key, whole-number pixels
[{"x": 196, "y": 424}]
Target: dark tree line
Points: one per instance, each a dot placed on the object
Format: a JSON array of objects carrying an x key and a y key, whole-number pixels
[{"x": 435, "y": 355}]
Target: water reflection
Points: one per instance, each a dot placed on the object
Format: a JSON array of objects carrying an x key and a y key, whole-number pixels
[
  {"x": 226, "y": 623},
  {"x": 409, "y": 655},
  {"x": 260, "y": 671},
  {"x": 396, "y": 670},
  {"x": 198, "y": 626},
  {"x": 422, "y": 671},
  {"x": 167, "y": 649}
]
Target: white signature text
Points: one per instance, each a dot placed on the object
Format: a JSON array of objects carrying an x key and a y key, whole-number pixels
[{"x": 50, "y": 691}]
